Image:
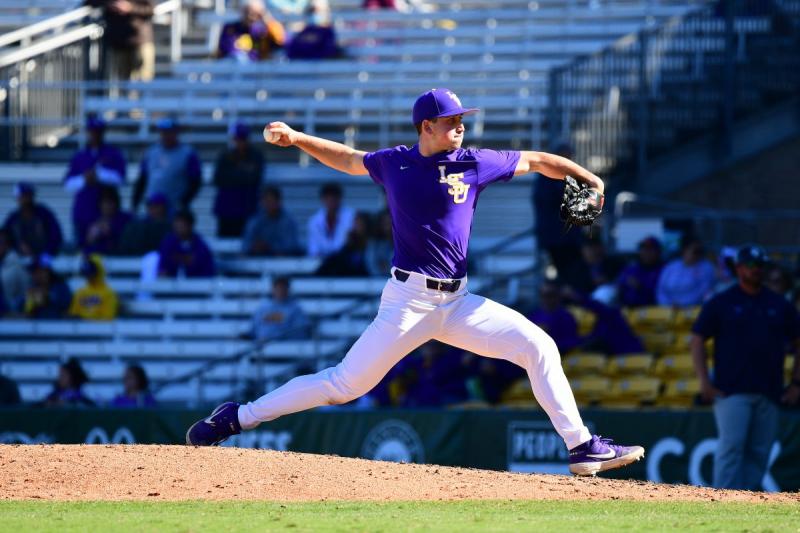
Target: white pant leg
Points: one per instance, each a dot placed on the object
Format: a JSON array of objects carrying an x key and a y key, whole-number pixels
[
  {"x": 485, "y": 327},
  {"x": 399, "y": 327}
]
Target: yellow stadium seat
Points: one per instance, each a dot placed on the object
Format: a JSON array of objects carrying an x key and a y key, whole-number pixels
[
  {"x": 674, "y": 366},
  {"x": 631, "y": 364},
  {"x": 685, "y": 318},
  {"x": 580, "y": 364},
  {"x": 659, "y": 342},
  {"x": 590, "y": 389},
  {"x": 632, "y": 391},
  {"x": 653, "y": 318},
  {"x": 518, "y": 391},
  {"x": 788, "y": 366},
  {"x": 679, "y": 393},
  {"x": 585, "y": 319}
]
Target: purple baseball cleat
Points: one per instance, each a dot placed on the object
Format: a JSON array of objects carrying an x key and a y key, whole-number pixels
[
  {"x": 598, "y": 454},
  {"x": 221, "y": 424}
]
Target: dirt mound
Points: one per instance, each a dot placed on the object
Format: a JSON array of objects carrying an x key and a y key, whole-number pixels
[{"x": 137, "y": 472}]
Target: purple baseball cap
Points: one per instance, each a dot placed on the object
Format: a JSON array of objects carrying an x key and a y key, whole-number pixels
[{"x": 438, "y": 103}]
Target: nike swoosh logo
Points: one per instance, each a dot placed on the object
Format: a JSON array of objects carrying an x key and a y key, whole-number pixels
[
  {"x": 609, "y": 455},
  {"x": 403, "y": 168},
  {"x": 209, "y": 421}
]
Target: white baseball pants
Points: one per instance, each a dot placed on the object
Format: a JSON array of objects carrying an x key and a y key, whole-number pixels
[{"x": 410, "y": 314}]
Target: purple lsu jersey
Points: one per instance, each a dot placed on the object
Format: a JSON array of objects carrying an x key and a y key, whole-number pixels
[{"x": 432, "y": 201}]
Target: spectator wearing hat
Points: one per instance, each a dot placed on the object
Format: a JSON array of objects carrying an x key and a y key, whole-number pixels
[
  {"x": 184, "y": 253},
  {"x": 97, "y": 165},
  {"x": 237, "y": 177},
  {"x": 105, "y": 233},
  {"x": 751, "y": 327},
  {"x": 137, "y": 389},
  {"x": 48, "y": 296},
  {"x": 329, "y": 227},
  {"x": 271, "y": 231},
  {"x": 14, "y": 278},
  {"x": 636, "y": 284},
  {"x": 562, "y": 245},
  {"x": 317, "y": 39},
  {"x": 95, "y": 300},
  {"x": 32, "y": 227},
  {"x": 688, "y": 280},
  {"x": 68, "y": 388},
  {"x": 144, "y": 234},
  {"x": 128, "y": 36},
  {"x": 253, "y": 37},
  {"x": 169, "y": 167}
]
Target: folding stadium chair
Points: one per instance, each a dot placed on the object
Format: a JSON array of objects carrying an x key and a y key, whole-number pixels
[
  {"x": 658, "y": 342},
  {"x": 585, "y": 363},
  {"x": 630, "y": 365},
  {"x": 650, "y": 319},
  {"x": 632, "y": 392},
  {"x": 677, "y": 365},
  {"x": 679, "y": 393},
  {"x": 589, "y": 389},
  {"x": 684, "y": 318}
]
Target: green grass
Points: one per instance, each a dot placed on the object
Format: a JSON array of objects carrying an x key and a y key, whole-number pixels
[{"x": 545, "y": 517}]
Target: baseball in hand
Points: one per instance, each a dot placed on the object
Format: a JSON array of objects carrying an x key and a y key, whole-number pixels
[{"x": 271, "y": 136}]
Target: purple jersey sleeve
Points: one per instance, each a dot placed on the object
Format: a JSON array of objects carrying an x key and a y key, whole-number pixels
[
  {"x": 373, "y": 162},
  {"x": 495, "y": 165}
]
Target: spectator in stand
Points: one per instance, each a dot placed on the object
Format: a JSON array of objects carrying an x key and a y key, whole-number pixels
[
  {"x": 779, "y": 281},
  {"x": 130, "y": 50},
  {"x": 95, "y": 300},
  {"x": 688, "y": 280},
  {"x": 254, "y": 37},
  {"x": 380, "y": 247},
  {"x": 431, "y": 376},
  {"x": 48, "y": 296},
  {"x": 563, "y": 246},
  {"x": 14, "y": 278},
  {"x": 611, "y": 333},
  {"x": 33, "y": 228},
  {"x": 184, "y": 253},
  {"x": 317, "y": 40},
  {"x": 279, "y": 317},
  {"x": 144, "y": 235},
  {"x": 67, "y": 390},
  {"x": 271, "y": 231},
  {"x": 554, "y": 318},
  {"x": 237, "y": 177},
  {"x": 9, "y": 392},
  {"x": 137, "y": 389},
  {"x": 329, "y": 227},
  {"x": 636, "y": 285},
  {"x": 593, "y": 271},
  {"x": 105, "y": 233},
  {"x": 169, "y": 167},
  {"x": 350, "y": 261},
  {"x": 751, "y": 327},
  {"x": 97, "y": 165}
]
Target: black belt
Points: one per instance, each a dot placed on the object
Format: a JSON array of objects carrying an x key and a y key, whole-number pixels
[{"x": 435, "y": 284}]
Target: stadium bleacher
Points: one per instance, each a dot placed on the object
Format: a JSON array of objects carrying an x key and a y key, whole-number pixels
[{"x": 496, "y": 55}]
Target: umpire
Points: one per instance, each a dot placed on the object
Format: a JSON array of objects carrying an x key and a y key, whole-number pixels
[{"x": 751, "y": 327}]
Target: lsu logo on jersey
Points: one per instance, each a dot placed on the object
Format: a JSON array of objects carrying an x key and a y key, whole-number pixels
[{"x": 458, "y": 189}]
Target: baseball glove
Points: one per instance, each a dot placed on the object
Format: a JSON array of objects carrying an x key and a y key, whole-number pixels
[{"x": 580, "y": 205}]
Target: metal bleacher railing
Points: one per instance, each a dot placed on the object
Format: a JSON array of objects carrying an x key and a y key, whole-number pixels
[
  {"x": 43, "y": 69},
  {"x": 652, "y": 91}
]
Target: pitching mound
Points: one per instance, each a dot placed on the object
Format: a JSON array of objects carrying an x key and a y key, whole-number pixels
[{"x": 137, "y": 472}]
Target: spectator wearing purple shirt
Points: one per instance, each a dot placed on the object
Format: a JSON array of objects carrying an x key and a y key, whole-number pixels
[
  {"x": 253, "y": 37},
  {"x": 169, "y": 167},
  {"x": 688, "y": 280},
  {"x": 183, "y": 252},
  {"x": 137, "y": 389},
  {"x": 555, "y": 319},
  {"x": 104, "y": 235},
  {"x": 67, "y": 390},
  {"x": 32, "y": 227},
  {"x": 636, "y": 285},
  {"x": 97, "y": 165},
  {"x": 237, "y": 177},
  {"x": 317, "y": 40}
]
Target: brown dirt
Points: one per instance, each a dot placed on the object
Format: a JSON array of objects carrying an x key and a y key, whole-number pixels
[{"x": 138, "y": 472}]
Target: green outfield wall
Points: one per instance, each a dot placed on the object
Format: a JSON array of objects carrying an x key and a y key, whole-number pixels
[{"x": 680, "y": 444}]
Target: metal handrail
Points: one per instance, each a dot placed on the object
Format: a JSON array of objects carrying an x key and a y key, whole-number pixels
[
  {"x": 58, "y": 21},
  {"x": 92, "y": 31}
]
